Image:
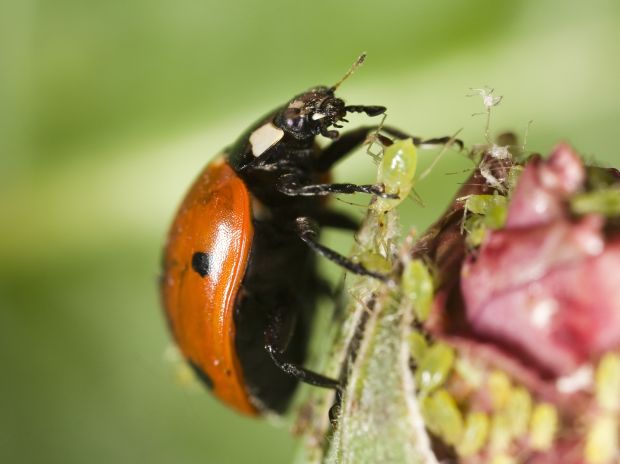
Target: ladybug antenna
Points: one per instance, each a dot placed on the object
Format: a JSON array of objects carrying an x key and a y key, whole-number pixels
[{"x": 360, "y": 60}]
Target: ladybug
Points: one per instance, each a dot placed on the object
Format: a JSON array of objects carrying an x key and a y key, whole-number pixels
[{"x": 239, "y": 282}]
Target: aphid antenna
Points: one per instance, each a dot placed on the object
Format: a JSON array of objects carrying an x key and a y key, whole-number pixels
[
  {"x": 456, "y": 173},
  {"x": 428, "y": 170},
  {"x": 360, "y": 60},
  {"x": 525, "y": 135},
  {"x": 416, "y": 197},
  {"x": 351, "y": 203}
]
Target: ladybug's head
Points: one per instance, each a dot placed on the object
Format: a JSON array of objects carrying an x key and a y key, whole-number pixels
[
  {"x": 315, "y": 111},
  {"x": 312, "y": 113}
]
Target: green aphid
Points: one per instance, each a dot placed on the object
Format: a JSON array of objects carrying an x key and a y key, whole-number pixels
[
  {"x": 434, "y": 367},
  {"x": 476, "y": 230},
  {"x": 500, "y": 389},
  {"x": 513, "y": 176},
  {"x": 543, "y": 426},
  {"x": 484, "y": 204},
  {"x": 417, "y": 345},
  {"x": 511, "y": 418},
  {"x": 443, "y": 417},
  {"x": 417, "y": 286},
  {"x": 375, "y": 262},
  {"x": 470, "y": 373},
  {"x": 489, "y": 212},
  {"x": 518, "y": 410},
  {"x": 602, "y": 441},
  {"x": 607, "y": 381},
  {"x": 474, "y": 435},
  {"x": 599, "y": 178},
  {"x": 605, "y": 201},
  {"x": 500, "y": 435},
  {"x": 396, "y": 172}
]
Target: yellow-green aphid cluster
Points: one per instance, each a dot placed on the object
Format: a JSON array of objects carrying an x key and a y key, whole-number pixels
[
  {"x": 511, "y": 418},
  {"x": 601, "y": 445},
  {"x": 486, "y": 212},
  {"x": 439, "y": 408},
  {"x": 396, "y": 172},
  {"x": 512, "y": 407}
]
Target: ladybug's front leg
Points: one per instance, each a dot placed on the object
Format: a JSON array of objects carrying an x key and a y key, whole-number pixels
[
  {"x": 288, "y": 184},
  {"x": 353, "y": 139},
  {"x": 277, "y": 337},
  {"x": 307, "y": 229}
]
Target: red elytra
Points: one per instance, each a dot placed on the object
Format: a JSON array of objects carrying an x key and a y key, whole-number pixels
[{"x": 215, "y": 215}]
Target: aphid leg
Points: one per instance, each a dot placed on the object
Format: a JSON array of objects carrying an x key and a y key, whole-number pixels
[
  {"x": 340, "y": 148},
  {"x": 277, "y": 338},
  {"x": 351, "y": 140},
  {"x": 446, "y": 144},
  {"x": 289, "y": 185},
  {"x": 307, "y": 229}
]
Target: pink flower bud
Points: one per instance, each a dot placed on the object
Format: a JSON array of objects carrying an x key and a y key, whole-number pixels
[{"x": 546, "y": 285}]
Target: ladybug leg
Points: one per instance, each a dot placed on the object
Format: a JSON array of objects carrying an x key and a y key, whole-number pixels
[
  {"x": 351, "y": 140},
  {"x": 289, "y": 185},
  {"x": 369, "y": 110},
  {"x": 308, "y": 231},
  {"x": 342, "y": 147},
  {"x": 277, "y": 337},
  {"x": 301, "y": 373},
  {"x": 419, "y": 142}
]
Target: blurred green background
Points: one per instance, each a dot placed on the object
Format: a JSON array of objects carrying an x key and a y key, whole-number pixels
[{"x": 109, "y": 109}]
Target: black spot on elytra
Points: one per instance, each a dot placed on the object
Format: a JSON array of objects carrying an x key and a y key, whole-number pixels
[
  {"x": 200, "y": 263},
  {"x": 202, "y": 375}
]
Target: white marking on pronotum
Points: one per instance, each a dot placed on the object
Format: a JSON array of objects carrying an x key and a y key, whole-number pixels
[
  {"x": 299, "y": 104},
  {"x": 317, "y": 116},
  {"x": 265, "y": 137}
]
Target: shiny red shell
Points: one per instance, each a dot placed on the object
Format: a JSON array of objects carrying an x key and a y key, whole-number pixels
[{"x": 215, "y": 218}]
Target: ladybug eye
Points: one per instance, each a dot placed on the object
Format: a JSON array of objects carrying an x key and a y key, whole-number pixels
[
  {"x": 294, "y": 120},
  {"x": 295, "y": 124}
]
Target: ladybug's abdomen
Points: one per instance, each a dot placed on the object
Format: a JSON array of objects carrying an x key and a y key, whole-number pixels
[
  {"x": 278, "y": 295},
  {"x": 204, "y": 265}
]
